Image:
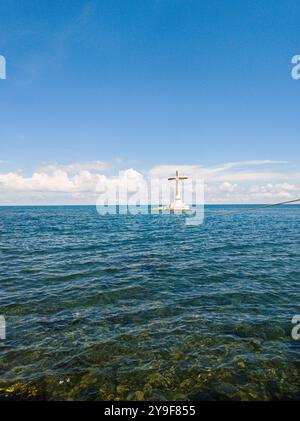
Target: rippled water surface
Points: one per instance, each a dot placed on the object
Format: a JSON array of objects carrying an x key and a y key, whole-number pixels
[{"x": 146, "y": 307}]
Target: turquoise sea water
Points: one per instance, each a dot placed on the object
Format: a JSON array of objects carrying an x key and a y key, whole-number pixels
[{"x": 146, "y": 307}]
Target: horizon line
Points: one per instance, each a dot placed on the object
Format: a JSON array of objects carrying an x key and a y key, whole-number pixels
[{"x": 152, "y": 204}]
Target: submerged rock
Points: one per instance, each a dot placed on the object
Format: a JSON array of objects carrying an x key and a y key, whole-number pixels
[{"x": 20, "y": 391}]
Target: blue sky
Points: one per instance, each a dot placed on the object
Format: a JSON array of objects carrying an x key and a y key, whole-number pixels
[{"x": 148, "y": 83}]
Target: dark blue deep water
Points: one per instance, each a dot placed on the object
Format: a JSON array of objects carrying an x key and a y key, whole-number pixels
[{"x": 146, "y": 307}]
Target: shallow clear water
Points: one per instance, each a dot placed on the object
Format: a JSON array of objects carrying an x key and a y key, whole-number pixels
[{"x": 146, "y": 307}]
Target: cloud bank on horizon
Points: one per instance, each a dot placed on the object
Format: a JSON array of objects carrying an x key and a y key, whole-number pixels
[{"x": 82, "y": 183}]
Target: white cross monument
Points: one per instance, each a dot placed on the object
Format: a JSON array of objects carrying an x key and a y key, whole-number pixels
[{"x": 178, "y": 205}]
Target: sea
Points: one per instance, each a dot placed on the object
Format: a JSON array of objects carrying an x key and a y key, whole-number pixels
[{"x": 147, "y": 307}]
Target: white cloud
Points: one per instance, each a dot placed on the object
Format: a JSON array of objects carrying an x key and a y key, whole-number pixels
[
  {"x": 63, "y": 183},
  {"x": 212, "y": 172},
  {"x": 84, "y": 182},
  {"x": 228, "y": 187},
  {"x": 58, "y": 181}
]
